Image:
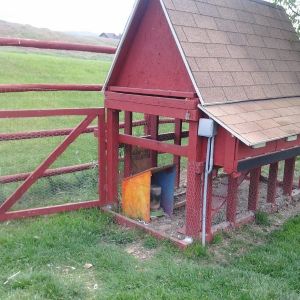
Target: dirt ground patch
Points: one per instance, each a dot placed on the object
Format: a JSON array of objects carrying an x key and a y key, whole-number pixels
[{"x": 140, "y": 252}]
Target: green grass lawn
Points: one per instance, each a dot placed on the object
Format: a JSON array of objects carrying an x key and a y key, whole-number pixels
[{"x": 48, "y": 255}]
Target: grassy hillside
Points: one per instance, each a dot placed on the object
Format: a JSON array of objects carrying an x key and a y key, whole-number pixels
[
  {"x": 14, "y": 30},
  {"x": 9, "y": 29}
]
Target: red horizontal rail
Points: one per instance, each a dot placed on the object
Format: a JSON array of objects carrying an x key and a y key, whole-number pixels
[
  {"x": 48, "y": 210},
  {"x": 53, "y": 45},
  {"x": 40, "y": 134},
  {"x": 153, "y": 92},
  {"x": 42, "y": 87},
  {"x": 37, "y": 113},
  {"x": 62, "y": 132},
  {"x": 48, "y": 173},
  {"x": 153, "y": 145}
]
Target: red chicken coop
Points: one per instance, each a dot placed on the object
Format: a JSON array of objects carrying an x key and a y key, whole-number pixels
[{"x": 230, "y": 71}]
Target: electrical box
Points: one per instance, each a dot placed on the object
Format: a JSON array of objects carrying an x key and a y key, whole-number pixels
[{"x": 207, "y": 128}]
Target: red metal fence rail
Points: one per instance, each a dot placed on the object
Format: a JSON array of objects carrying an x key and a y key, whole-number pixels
[
  {"x": 27, "y": 43},
  {"x": 42, "y": 87}
]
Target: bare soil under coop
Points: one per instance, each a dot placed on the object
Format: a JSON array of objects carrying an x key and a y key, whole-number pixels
[{"x": 174, "y": 226}]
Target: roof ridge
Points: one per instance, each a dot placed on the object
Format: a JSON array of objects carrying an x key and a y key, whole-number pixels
[
  {"x": 268, "y": 4},
  {"x": 249, "y": 100}
]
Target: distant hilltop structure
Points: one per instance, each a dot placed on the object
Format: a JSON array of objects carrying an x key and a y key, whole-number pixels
[{"x": 108, "y": 35}]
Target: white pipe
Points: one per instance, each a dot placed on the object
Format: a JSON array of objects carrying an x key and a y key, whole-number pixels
[{"x": 208, "y": 169}]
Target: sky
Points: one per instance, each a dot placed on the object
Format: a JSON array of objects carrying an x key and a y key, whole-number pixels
[{"x": 69, "y": 15}]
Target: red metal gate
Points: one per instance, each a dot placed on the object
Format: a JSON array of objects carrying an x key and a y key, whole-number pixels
[
  {"x": 42, "y": 170},
  {"x": 89, "y": 115}
]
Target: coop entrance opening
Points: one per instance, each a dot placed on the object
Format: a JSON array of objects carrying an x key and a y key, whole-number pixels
[{"x": 149, "y": 194}]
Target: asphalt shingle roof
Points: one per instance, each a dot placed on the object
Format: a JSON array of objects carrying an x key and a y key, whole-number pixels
[
  {"x": 255, "y": 122},
  {"x": 239, "y": 51}
]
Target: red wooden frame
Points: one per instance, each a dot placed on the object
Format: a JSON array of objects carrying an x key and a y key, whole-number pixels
[
  {"x": 152, "y": 92},
  {"x": 42, "y": 87}
]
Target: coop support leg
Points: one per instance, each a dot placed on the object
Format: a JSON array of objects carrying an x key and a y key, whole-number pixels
[
  {"x": 272, "y": 183},
  {"x": 254, "y": 189},
  {"x": 128, "y": 148},
  {"x": 209, "y": 208},
  {"x": 177, "y": 141},
  {"x": 194, "y": 184},
  {"x": 147, "y": 125},
  {"x": 154, "y": 121},
  {"x": 112, "y": 156},
  {"x": 288, "y": 177},
  {"x": 102, "y": 161},
  {"x": 233, "y": 184}
]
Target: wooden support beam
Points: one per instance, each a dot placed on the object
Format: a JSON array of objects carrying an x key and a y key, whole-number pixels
[
  {"x": 112, "y": 156},
  {"x": 102, "y": 160},
  {"x": 254, "y": 189},
  {"x": 288, "y": 177},
  {"x": 128, "y": 148},
  {"x": 153, "y": 92},
  {"x": 167, "y": 102},
  {"x": 171, "y": 112},
  {"x": 233, "y": 184},
  {"x": 177, "y": 141},
  {"x": 272, "y": 183},
  {"x": 194, "y": 197},
  {"x": 154, "y": 125},
  {"x": 209, "y": 214},
  {"x": 153, "y": 145}
]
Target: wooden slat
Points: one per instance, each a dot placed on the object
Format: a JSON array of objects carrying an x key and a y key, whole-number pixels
[{"x": 154, "y": 145}]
